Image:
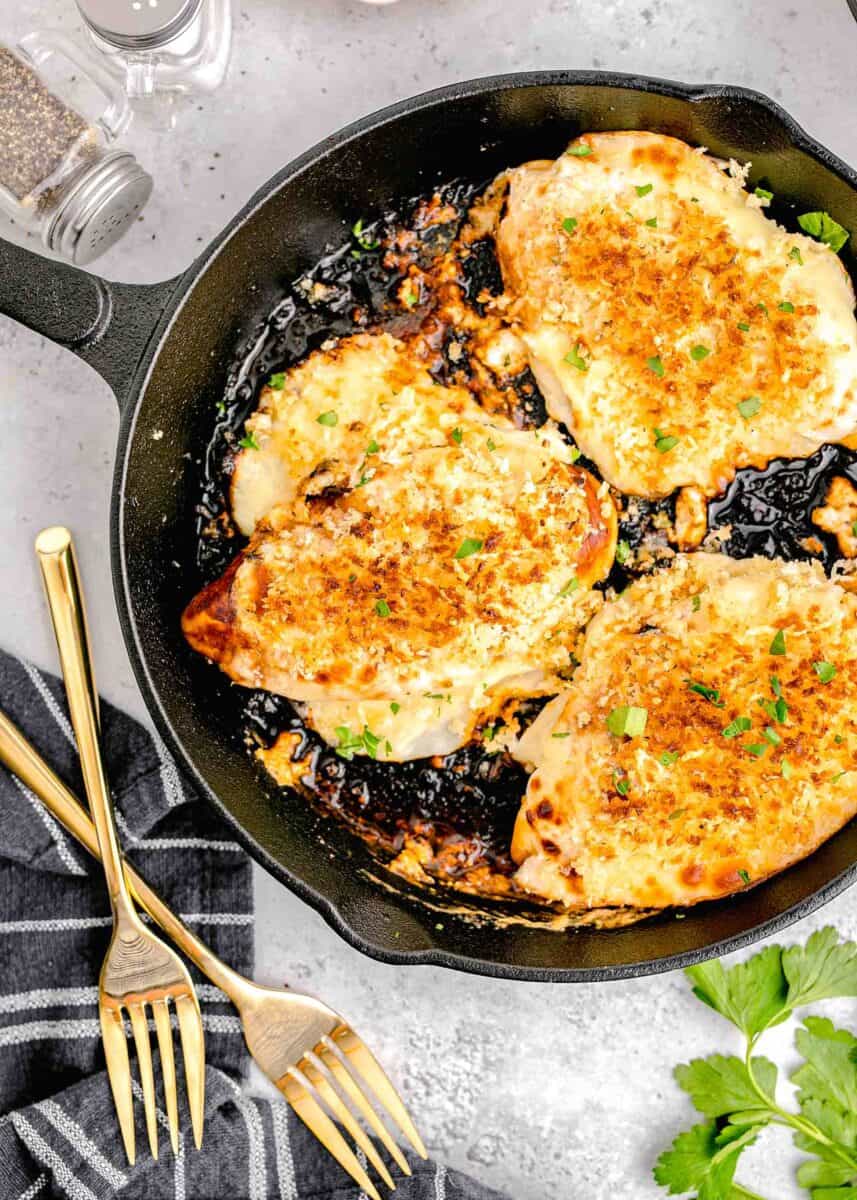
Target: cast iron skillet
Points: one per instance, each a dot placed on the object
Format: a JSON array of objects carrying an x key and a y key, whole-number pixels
[{"x": 164, "y": 349}]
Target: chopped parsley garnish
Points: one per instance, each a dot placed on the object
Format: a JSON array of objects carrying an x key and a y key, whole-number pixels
[
  {"x": 581, "y": 150},
  {"x": 652, "y": 222},
  {"x": 763, "y": 193},
  {"x": 491, "y": 445},
  {"x": 839, "y": 739},
  {"x": 824, "y": 670},
  {"x": 569, "y": 224},
  {"x": 786, "y": 769},
  {"x": 621, "y": 783},
  {"x": 329, "y": 418},
  {"x": 739, "y": 725},
  {"x": 786, "y": 306},
  {"x": 572, "y": 586},
  {"x": 489, "y": 733},
  {"x": 575, "y": 455},
  {"x": 742, "y": 874},
  {"x": 655, "y": 365},
  {"x": 664, "y": 441},
  {"x": 676, "y": 813},
  {"x": 623, "y": 552},
  {"x": 457, "y": 436},
  {"x": 795, "y": 254},
  {"x": 627, "y": 720},
  {"x": 411, "y": 299},
  {"x": 763, "y": 307},
  {"x": 469, "y": 546},
  {"x": 561, "y": 735},
  {"x": 394, "y": 707},
  {"x": 743, "y": 326},
  {"x": 248, "y": 442},
  {"x": 373, "y": 447},
  {"x": 667, "y": 759},
  {"x": 382, "y": 608},
  {"x": 776, "y": 687},
  {"x": 277, "y": 381},
  {"x": 350, "y": 743},
  {"x": 757, "y": 749},
  {"x": 749, "y": 407},
  {"x": 776, "y": 710},
  {"x": 854, "y": 528},
  {"x": 707, "y": 693},
  {"x": 695, "y": 602},
  {"x": 778, "y": 645},
  {"x": 364, "y": 479},
  {"x": 363, "y": 239},
  {"x": 838, "y": 776},
  {"x": 772, "y": 736},
  {"x": 822, "y": 226},
  {"x": 698, "y": 353},
  {"x": 575, "y": 359},
  {"x": 643, "y": 189}
]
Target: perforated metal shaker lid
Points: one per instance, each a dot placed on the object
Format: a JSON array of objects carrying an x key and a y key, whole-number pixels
[
  {"x": 98, "y": 209},
  {"x": 139, "y": 24}
]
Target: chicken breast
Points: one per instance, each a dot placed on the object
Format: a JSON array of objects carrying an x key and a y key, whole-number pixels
[
  {"x": 344, "y": 410},
  {"x": 707, "y": 740},
  {"x": 460, "y": 568},
  {"x": 676, "y": 330}
]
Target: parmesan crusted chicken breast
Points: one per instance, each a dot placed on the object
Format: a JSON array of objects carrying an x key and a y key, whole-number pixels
[
  {"x": 343, "y": 410},
  {"x": 706, "y": 742},
  {"x": 442, "y": 578},
  {"x": 676, "y": 330}
]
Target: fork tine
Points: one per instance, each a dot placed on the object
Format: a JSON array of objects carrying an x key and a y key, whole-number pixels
[
  {"x": 119, "y": 1073},
  {"x": 140, "y": 1029},
  {"x": 317, "y": 1075},
  {"x": 319, "y": 1123},
  {"x": 367, "y": 1066},
  {"x": 193, "y": 1050},
  {"x": 161, "y": 1012},
  {"x": 345, "y": 1080}
]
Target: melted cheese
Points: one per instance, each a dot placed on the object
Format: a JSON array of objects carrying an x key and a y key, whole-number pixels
[
  {"x": 461, "y": 568},
  {"x": 686, "y": 812},
  {"x": 669, "y": 253},
  {"x": 378, "y": 404}
]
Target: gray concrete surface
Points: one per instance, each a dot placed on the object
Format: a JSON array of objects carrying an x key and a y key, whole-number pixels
[{"x": 551, "y": 1093}]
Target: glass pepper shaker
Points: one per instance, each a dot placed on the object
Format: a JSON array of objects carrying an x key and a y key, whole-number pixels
[
  {"x": 157, "y": 46},
  {"x": 59, "y": 174}
]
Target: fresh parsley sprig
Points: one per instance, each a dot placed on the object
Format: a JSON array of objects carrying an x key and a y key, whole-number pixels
[{"x": 737, "y": 1095}]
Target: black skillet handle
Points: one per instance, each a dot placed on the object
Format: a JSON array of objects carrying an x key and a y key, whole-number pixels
[{"x": 106, "y": 324}]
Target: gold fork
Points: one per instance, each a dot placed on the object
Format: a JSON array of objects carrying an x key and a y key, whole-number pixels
[
  {"x": 139, "y": 969},
  {"x": 307, "y": 1050}
]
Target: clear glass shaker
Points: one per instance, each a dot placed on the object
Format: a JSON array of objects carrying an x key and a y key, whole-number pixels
[
  {"x": 156, "y": 46},
  {"x": 60, "y": 175}
]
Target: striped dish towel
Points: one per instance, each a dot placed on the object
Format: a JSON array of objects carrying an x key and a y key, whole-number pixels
[{"x": 58, "y": 1130}]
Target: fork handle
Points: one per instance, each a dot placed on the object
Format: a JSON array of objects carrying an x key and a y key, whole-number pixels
[
  {"x": 55, "y": 550},
  {"x": 24, "y": 760}
]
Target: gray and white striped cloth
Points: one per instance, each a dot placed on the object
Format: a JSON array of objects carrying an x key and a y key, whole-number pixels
[{"x": 58, "y": 1131}]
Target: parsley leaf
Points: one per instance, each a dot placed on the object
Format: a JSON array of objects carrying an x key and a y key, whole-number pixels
[
  {"x": 778, "y": 645},
  {"x": 277, "y": 381},
  {"x": 752, "y": 994},
  {"x": 581, "y": 150},
  {"x": 248, "y": 442},
  {"x": 623, "y": 551},
  {"x": 821, "y": 970},
  {"x": 824, "y": 670},
  {"x": 382, "y": 608},
  {"x": 572, "y": 586},
  {"x": 363, "y": 239},
  {"x": 627, "y": 720},
  {"x": 795, "y": 254},
  {"x": 329, "y": 418},
  {"x": 394, "y": 707},
  {"x": 708, "y": 693},
  {"x": 569, "y": 224},
  {"x": 643, "y": 189},
  {"x": 664, "y": 442},
  {"x": 739, "y": 725},
  {"x": 698, "y": 353},
  {"x": 786, "y": 306},
  {"x": 749, "y": 407},
  {"x": 652, "y": 222},
  {"x": 763, "y": 193},
  {"x": 575, "y": 359},
  {"x": 718, "y": 1085},
  {"x": 457, "y": 436},
  {"x": 469, "y": 546},
  {"x": 822, "y": 226},
  {"x": 654, "y": 364},
  {"x": 703, "y": 1160}
]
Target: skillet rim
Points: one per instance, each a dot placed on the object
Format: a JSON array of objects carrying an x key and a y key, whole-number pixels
[{"x": 181, "y": 289}]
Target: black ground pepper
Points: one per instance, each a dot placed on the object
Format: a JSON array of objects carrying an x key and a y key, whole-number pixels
[{"x": 38, "y": 133}]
